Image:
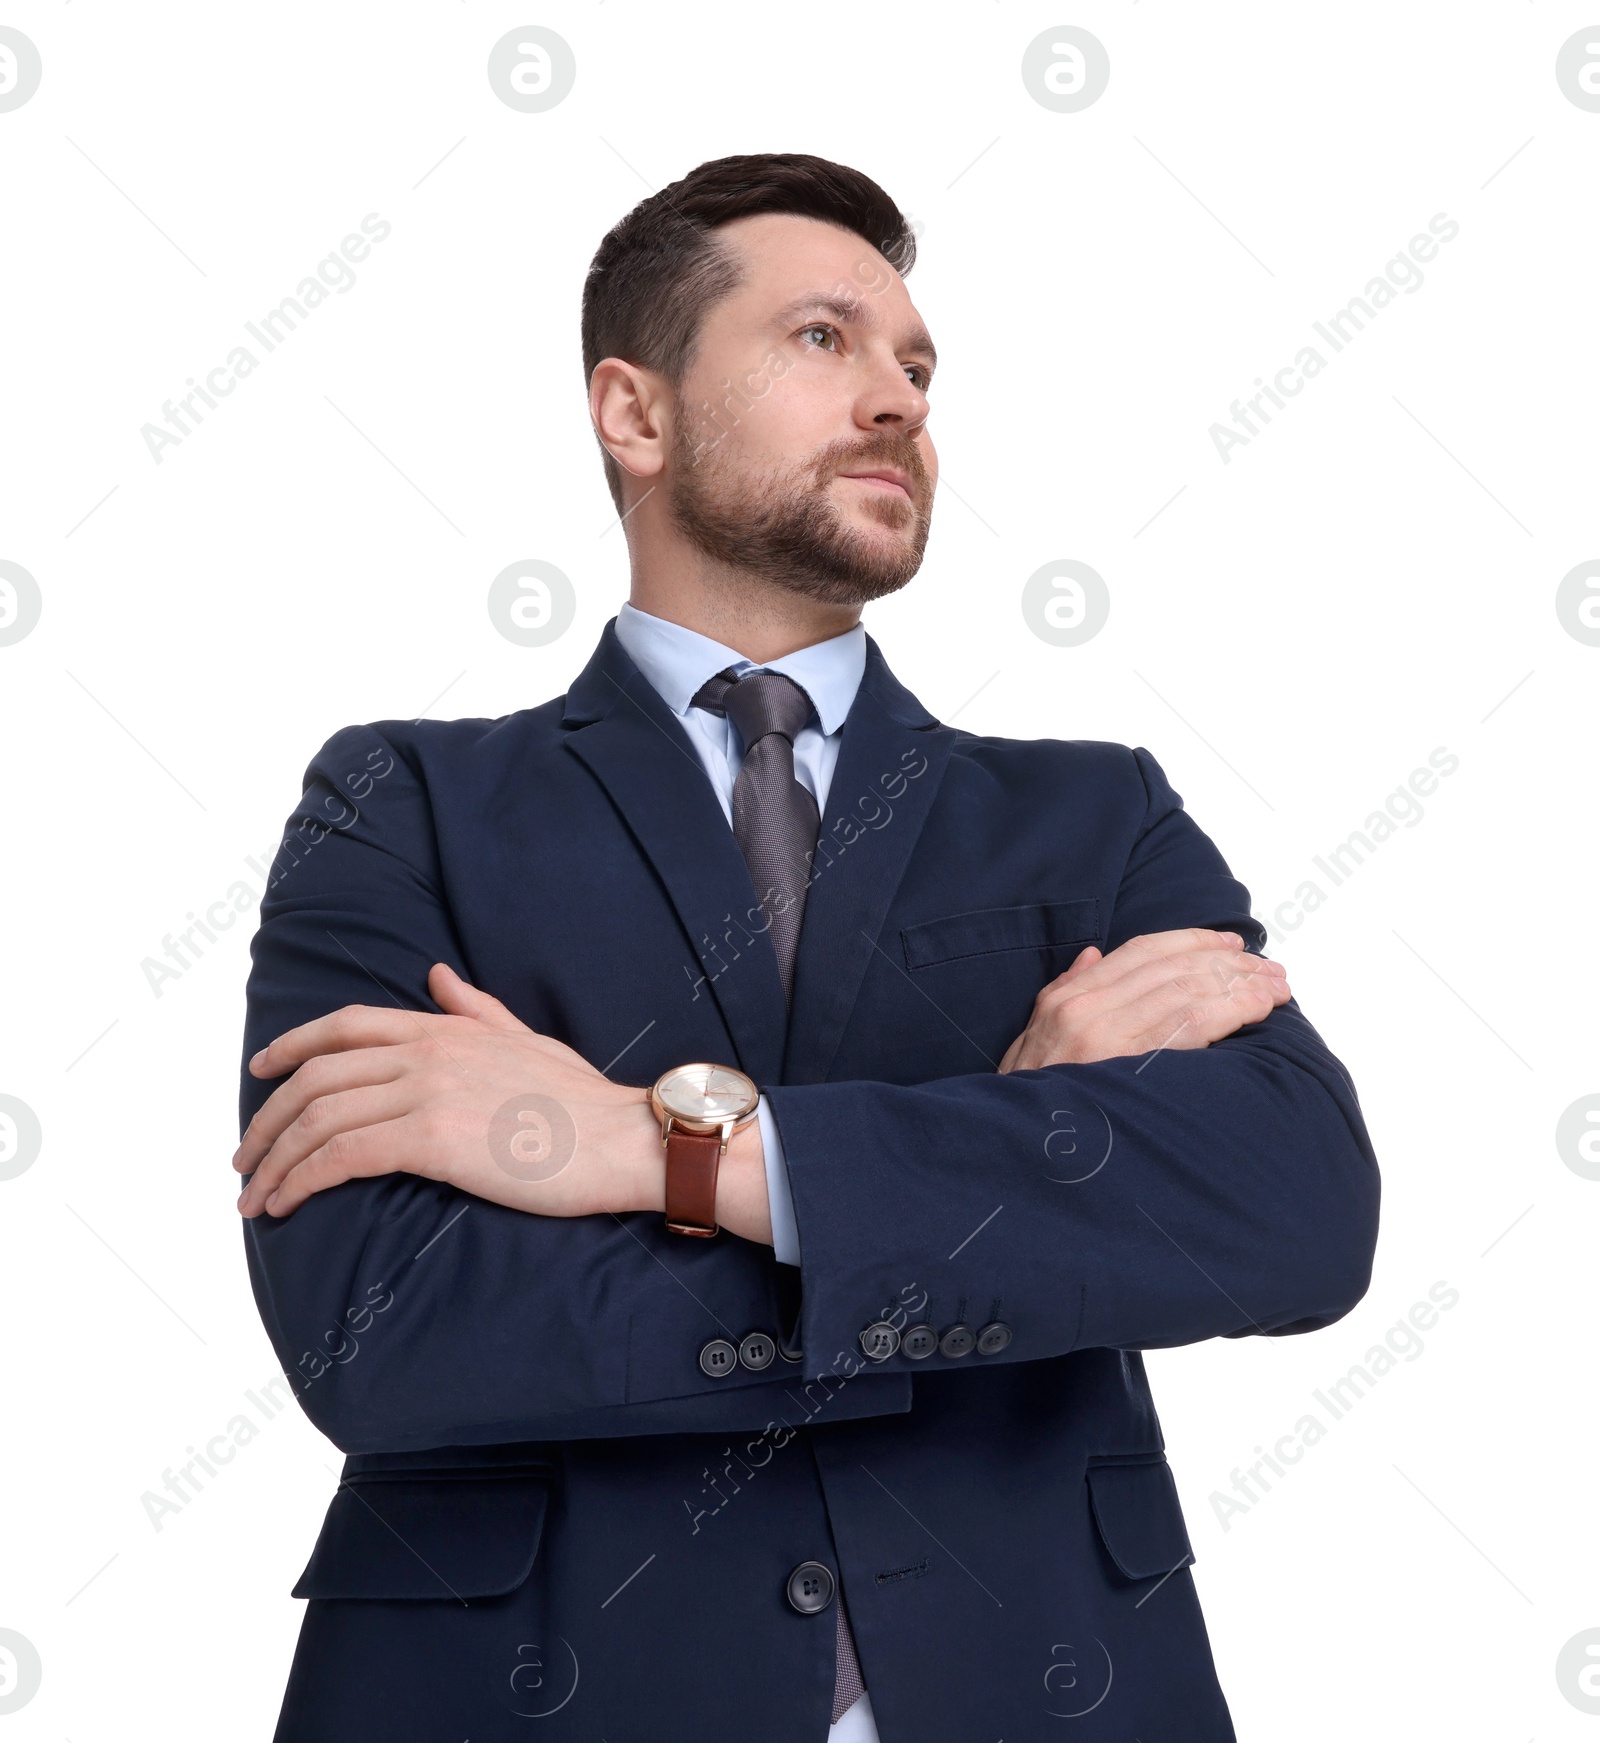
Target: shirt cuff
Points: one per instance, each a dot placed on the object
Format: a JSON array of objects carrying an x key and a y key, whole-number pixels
[{"x": 780, "y": 1202}]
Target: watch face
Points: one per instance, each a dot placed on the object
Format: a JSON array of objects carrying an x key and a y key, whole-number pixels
[{"x": 707, "y": 1093}]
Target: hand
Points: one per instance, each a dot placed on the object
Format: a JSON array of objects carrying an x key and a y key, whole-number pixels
[
  {"x": 1166, "y": 989},
  {"x": 382, "y": 1091}
]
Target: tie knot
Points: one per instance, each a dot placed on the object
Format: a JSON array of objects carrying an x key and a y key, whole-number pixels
[{"x": 759, "y": 703}]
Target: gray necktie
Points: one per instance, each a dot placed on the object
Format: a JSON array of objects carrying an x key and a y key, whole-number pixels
[
  {"x": 775, "y": 818},
  {"x": 776, "y": 823}
]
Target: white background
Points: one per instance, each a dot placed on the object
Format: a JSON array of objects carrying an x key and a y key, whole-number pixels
[{"x": 1293, "y": 632}]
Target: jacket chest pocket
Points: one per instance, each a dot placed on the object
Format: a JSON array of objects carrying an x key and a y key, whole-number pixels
[{"x": 994, "y": 937}]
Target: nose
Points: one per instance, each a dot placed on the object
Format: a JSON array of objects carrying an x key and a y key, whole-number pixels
[{"x": 891, "y": 400}]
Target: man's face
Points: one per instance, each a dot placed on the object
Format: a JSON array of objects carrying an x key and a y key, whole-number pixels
[{"x": 800, "y": 445}]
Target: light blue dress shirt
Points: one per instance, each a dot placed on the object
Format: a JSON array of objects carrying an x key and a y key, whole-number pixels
[{"x": 677, "y": 661}]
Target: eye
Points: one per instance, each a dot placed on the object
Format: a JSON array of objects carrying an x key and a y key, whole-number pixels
[
  {"x": 920, "y": 376},
  {"x": 832, "y": 334}
]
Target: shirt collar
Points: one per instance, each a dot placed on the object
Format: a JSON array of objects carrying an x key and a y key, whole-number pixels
[{"x": 677, "y": 661}]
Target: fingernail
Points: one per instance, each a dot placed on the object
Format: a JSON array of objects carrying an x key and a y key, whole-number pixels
[
  {"x": 257, "y": 1058},
  {"x": 239, "y": 1201},
  {"x": 271, "y": 1202}
]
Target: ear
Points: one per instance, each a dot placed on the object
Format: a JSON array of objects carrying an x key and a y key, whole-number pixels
[{"x": 630, "y": 407}]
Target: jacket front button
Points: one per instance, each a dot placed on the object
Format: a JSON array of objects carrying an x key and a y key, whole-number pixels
[
  {"x": 810, "y": 1588},
  {"x": 880, "y": 1340},
  {"x": 920, "y": 1341},
  {"x": 756, "y": 1351},
  {"x": 718, "y": 1358},
  {"x": 993, "y": 1337},
  {"x": 957, "y": 1340}
]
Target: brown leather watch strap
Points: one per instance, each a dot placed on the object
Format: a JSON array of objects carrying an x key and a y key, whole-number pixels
[{"x": 692, "y": 1159}]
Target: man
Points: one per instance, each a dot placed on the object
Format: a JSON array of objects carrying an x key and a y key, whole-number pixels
[{"x": 719, "y": 1141}]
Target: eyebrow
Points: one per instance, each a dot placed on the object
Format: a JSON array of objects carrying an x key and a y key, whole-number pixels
[{"x": 851, "y": 309}]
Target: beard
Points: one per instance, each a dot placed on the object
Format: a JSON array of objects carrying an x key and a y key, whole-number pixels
[{"x": 784, "y": 528}]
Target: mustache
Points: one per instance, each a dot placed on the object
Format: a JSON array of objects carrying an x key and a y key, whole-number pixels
[{"x": 887, "y": 448}]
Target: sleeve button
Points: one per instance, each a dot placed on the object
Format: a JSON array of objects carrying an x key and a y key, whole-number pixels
[
  {"x": 957, "y": 1340},
  {"x": 756, "y": 1351},
  {"x": 718, "y": 1358},
  {"x": 879, "y": 1341},
  {"x": 920, "y": 1341}
]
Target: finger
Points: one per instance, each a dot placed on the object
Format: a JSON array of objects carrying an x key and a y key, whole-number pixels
[
  {"x": 1277, "y": 976},
  {"x": 394, "y": 1146},
  {"x": 1180, "y": 1001},
  {"x": 339, "y": 1032},
  {"x": 459, "y": 998},
  {"x": 1249, "y": 969},
  {"x": 1180, "y": 1012},
  {"x": 1205, "y": 970},
  {"x": 1155, "y": 944},
  {"x": 1171, "y": 1017},
  {"x": 1086, "y": 958},
  {"x": 1091, "y": 970},
  {"x": 325, "y": 1118},
  {"x": 327, "y": 1074},
  {"x": 1148, "y": 948},
  {"x": 1195, "y": 969}
]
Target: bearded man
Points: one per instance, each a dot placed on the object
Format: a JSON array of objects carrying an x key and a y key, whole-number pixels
[{"x": 719, "y": 1141}]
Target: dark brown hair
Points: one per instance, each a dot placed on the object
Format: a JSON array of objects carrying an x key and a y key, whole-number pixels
[{"x": 660, "y": 270}]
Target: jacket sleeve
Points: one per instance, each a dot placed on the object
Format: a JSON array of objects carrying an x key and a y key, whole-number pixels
[
  {"x": 1130, "y": 1204},
  {"x": 412, "y": 1315}
]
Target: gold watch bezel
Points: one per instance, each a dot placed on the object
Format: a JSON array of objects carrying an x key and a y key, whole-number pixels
[{"x": 726, "y": 1124}]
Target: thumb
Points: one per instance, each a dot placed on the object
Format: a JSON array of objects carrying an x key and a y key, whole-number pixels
[
  {"x": 1086, "y": 958},
  {"x": 458, "y": 998}
]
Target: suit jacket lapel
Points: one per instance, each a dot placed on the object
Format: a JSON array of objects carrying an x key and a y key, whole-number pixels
[
  {"x": 638, "y": 750},
  {"x": 892, "y": 758}
]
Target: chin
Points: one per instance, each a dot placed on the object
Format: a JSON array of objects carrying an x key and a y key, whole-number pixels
[
  {"x": 875, "y": 508},
  {"x": 886, "y": 521}
]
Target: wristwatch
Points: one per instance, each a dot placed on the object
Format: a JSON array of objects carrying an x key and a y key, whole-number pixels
[{"x": 700, "y": 1107}]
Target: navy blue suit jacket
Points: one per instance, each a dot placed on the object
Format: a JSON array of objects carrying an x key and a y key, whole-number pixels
[{"x": 549, "y": 1507}]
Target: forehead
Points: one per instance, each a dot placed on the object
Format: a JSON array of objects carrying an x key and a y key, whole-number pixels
[{"x": 786, "y": 259}]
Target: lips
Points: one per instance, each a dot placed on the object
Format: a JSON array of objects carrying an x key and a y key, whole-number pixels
[{"x": 887, "y": 478}]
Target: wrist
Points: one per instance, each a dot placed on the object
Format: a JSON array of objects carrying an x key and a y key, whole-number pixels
[
  {"x": 644, "y": 1179},
  {"x": 742, "y": 1205}
]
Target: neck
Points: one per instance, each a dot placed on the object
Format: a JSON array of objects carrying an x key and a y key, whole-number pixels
[{"x": 754, "y": 617}]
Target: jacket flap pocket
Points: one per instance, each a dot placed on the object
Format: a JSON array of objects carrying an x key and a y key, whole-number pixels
[
  {"x": 439, "y": 1537},
  {"x": 1140, "y": 1518},
  {"x": 1039, "y": 926}
]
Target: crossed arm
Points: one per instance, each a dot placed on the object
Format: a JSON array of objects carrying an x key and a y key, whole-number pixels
[
  {"x": 1241, "y": 1197},
  {"x": 374, "y": 1091}
]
